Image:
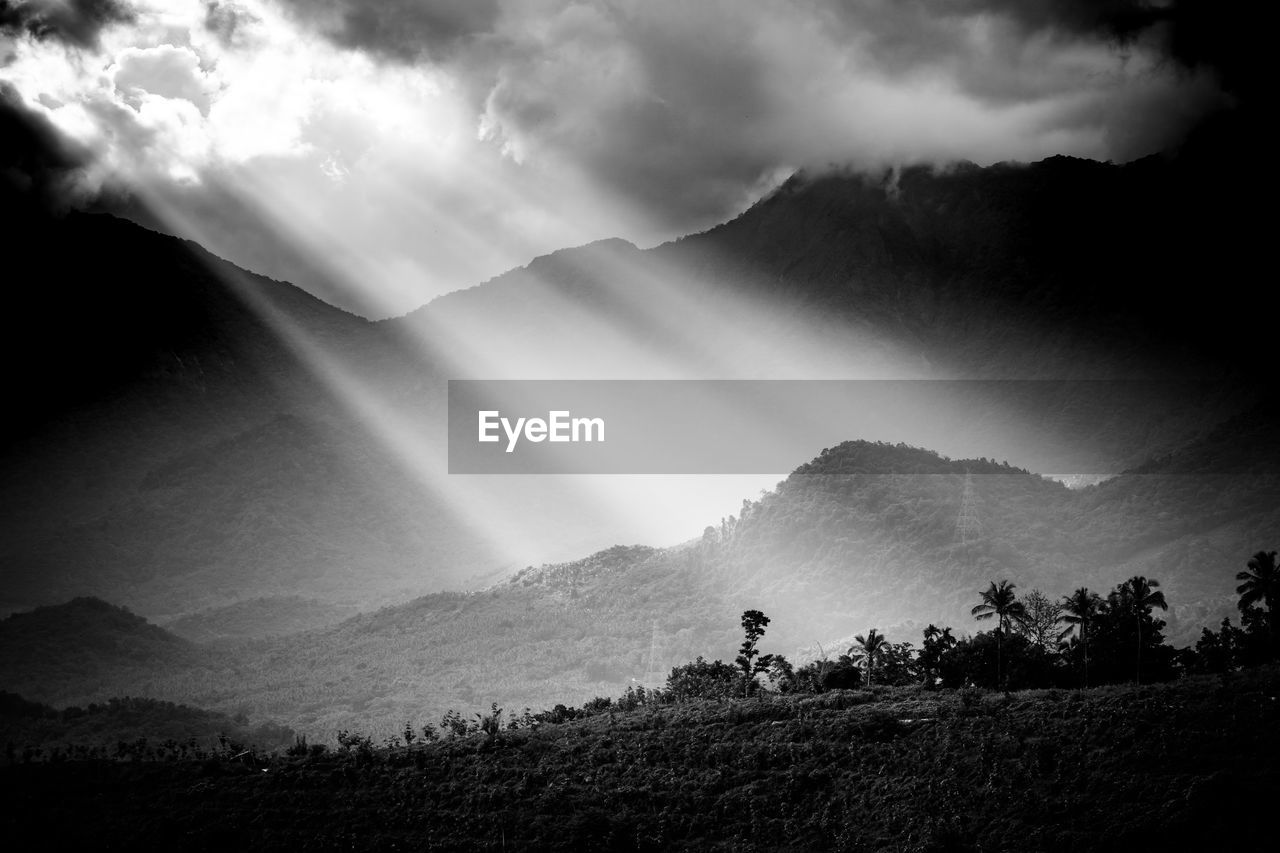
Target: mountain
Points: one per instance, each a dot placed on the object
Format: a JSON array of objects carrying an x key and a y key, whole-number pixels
[
  {"x": 72, "y": 649},
  {"x": 873, "y": 531},
  {"x": 171, "y": 445},
  {"x": 258, "y": 618},
  {"x": 187, "y": 435},
  {"x": 129, "y": 726},
  {"x": 1060, "y": 268},
  {"x": 864, "y": 535}
]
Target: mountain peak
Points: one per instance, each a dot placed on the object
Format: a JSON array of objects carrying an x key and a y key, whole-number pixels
[{"x": 880, "y": 457}]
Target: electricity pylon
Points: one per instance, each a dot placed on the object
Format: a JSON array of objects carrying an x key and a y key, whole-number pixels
[
  {"x": 652, "y": 677},
  {"x": 968, "y": 525}
]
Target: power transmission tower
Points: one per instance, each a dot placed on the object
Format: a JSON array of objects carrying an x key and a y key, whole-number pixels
[
  {"x": 968, "y": 525},
  {"x": 652, "y": 677}
]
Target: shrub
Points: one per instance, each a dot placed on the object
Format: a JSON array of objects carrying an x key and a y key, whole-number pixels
[{"x": 701, "y": 679}]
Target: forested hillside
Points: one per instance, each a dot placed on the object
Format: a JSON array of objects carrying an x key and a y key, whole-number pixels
[
  {"x": 258, "y": 618},
  {"x": 866, "y": 535}
]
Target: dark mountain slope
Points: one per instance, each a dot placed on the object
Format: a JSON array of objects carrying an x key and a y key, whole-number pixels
[
  {"x": 170, "y": 439},
  {"x": 1137, "y": 269},
  {"x": 1064, "y": 267},
  {"x": 100, "y": 306},
  {"x": 167, "y": 443},
  {"x": 69, "y": 649}
]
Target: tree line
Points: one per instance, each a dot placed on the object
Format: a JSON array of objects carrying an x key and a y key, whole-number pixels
[{"x": 1083, "y": 639}]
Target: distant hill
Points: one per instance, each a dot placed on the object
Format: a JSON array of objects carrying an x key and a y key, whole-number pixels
[
  {"x": 73, "y": 649},
  {"x": 871, "y": 531},
  {"x": 258, "y": 618},
  {"x": 122, "y": 723}
]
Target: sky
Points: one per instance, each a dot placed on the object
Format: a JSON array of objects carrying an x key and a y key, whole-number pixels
[{"x": 382, "y": 153}]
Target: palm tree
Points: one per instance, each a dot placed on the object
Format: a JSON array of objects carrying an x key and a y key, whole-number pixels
[
  {"x": 1079, "y": 609},
  {"x": 937, "y": 642},
  {"x": 868, "y": 648},
  {"x": 1140, "y": 595},
  {"x": 999, "y": 600},
  {"x": 1261, "y": 583}
]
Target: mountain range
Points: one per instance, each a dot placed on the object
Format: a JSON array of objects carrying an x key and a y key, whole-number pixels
[
  {"x": 187, "y": 435},
  {"x": 228, "y": 456}
]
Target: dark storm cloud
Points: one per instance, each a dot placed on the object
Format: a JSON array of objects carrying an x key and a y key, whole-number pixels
[
  {"x": 1116, "y": 18},
  {"x": 37, "y": 164},
  {"x": 1213, "y": 34},
  {"x": 1194, "y": 31},
  {"x": 1219, "y": 34},
  {"x": 1227, "y": 36},
  {"x": 76, "y": 22},
  {"x": 687, "y": 109},
  {"x": 402, "y": 29}
]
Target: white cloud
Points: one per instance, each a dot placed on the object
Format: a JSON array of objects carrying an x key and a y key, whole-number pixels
[{"x": 166, "y": 71}]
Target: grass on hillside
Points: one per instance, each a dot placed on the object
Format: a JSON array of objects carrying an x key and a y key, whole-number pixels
[{"x": 1173, "y": 766}]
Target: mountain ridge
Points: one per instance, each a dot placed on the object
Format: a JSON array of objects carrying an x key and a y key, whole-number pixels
[
  {"x": 862, "y": 536},
  {"x": 832, "y": 276}
]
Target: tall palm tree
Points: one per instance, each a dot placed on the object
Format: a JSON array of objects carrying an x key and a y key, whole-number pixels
[
  {"x": 937, "y": 642},
  {"x": 1140, "y": 595},
  {"x": 1261, "y": 583},
  {"x": 1079, "y": 609},
  {"x": 869, "y": 648},
  {"x": 999, "y": 600}
]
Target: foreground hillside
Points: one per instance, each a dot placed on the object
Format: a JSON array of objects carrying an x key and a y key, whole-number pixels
[{"x": 1153, "y": 768}]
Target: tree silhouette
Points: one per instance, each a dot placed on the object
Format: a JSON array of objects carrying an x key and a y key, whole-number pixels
[
  {"x": 1261, "y": 583},
  {"x": 1139, "y": 596},
  {"x": 749, "y": 659},
  {"x": 869, "y": 648},
  {"x": 999, "y": 600},
  {"x": 937, "y": 642},
  {"x": 1079, "y": 610},
  {"x": 1039, "y": 621}
]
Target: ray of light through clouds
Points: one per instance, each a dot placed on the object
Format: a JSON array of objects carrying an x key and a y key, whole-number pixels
[
  {"x": 381, "y": 154},
  {"x": 419, "y": 147}
]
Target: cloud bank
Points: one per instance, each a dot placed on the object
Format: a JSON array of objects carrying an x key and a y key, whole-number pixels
[{"x": 417, "y": 146}]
